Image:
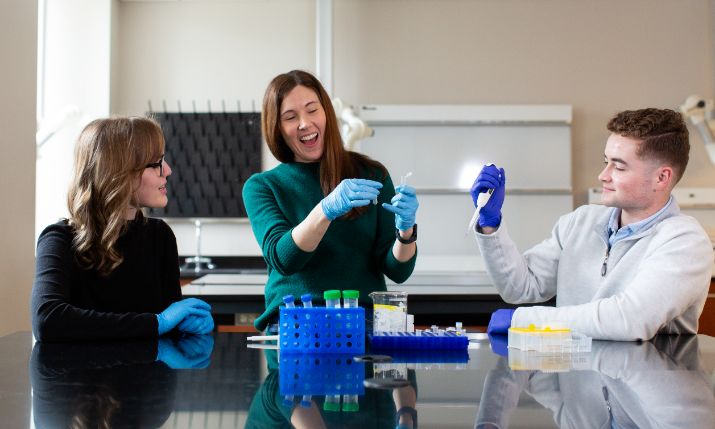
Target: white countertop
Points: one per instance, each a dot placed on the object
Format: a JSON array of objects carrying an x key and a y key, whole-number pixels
[{"x": 420, "y": 283}]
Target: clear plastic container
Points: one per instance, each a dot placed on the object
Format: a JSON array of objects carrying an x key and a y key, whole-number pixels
[
  {"x": 350, "y": 298},
  {"x": 552, "y": 338},
  {"x": 389, "y": 311},
  {"x": 332, "y": 298}
]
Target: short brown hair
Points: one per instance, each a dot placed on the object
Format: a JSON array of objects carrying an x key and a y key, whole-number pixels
[
  {"x": 336, "y": 163},
  {"x": 663, "y": 134}
]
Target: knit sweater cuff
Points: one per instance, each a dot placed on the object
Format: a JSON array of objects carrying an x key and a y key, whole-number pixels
[
  {"x": 398, "y": 271},
  {"x": 291, "y": 256}
]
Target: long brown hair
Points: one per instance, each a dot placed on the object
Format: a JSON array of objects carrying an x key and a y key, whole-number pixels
[
  {"x": 336, "y": 163},
  {"x": 110, "y": 156}
]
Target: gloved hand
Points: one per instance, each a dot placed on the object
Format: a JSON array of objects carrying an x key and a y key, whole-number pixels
[
  {"x": 348, "y": 194},
  {"x": 490, "y": 177},
  {"x": 404, "y": 206},
  {"x": 500, "y": 344},
  {"x": 198, "y": 325},
  {"x": 186, "y": 352},
  {"x": 178, "y": 311},
  {"x": 500, "y": 321}
]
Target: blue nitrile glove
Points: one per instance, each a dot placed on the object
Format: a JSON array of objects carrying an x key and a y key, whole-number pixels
[
  {"x": 490, "y": 177},
  {"x": 195, "y": 324},
  {"x": 500, "y": 321},
  {"x": 404, "y": 206},
  {"x": 186, "y": 352},
  {"x": 348, "y": 194},
  {"x": 178, "y": 311},
  {"x": 500, "y": 344}
]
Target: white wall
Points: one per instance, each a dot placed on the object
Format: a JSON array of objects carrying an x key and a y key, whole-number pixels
[
  {"x": 18, "y": 42},
  {"x": 77, "y": 77},
  {"x": 600, "y": 57}
]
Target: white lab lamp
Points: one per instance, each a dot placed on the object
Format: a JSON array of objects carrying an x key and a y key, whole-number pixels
[
  {"x": 701, "y": 114},
  {"x": 353, "y": 129}
]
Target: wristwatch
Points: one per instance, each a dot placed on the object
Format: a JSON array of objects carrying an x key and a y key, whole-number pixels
[{"x": 409, "y": 240}]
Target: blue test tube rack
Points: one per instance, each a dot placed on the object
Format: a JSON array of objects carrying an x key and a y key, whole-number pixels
[
  {"x": 322, "y": 330},
  {"x": 320, "y": 374},
  {"x": 411, "y": 341}
]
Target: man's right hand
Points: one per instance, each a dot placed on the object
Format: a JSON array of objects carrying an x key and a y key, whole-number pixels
[{"x": 494, "y": 178}]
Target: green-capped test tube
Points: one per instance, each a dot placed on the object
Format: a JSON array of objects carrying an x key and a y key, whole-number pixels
[
  {"x": 350, "y": 403},
  {"x": 350, "y": 298},
  {"x": 332, "y": 298}
]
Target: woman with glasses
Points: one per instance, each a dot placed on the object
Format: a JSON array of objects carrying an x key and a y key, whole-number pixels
[
  {"x": 108, "y": 272},
  {"x": 326, "y": 218}
]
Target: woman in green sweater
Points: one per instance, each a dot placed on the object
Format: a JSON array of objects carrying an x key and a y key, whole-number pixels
[{"x": 312, "y": 215}]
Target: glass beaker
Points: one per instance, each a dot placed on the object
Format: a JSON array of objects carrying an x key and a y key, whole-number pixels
[{"x": 389, "y": 311}]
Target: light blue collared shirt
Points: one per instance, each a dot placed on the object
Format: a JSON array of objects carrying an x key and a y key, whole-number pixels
[{"x": 615, "y": 234}]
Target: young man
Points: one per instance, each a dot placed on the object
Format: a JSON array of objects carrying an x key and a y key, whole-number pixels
[{"x": 626, "y": 270}]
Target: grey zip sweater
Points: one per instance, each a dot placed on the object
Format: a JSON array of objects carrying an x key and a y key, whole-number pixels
[{"x": 655, "y": 281}]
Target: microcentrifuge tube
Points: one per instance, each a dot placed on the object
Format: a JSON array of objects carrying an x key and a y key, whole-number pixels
[
  {"x": 288, "y": 300},
  {"x": 307, "y": 300}
]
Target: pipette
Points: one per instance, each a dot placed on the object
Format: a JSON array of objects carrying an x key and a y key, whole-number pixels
[{"x": 482, "y": 200}]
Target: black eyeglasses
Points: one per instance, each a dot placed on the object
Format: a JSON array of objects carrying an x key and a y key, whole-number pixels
[{"x": 159, "y": 165}]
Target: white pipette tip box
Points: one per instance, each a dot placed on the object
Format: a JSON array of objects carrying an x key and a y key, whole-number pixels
[{"x": 551, "y": 338}]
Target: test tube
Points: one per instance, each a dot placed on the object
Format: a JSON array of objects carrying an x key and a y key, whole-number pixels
[
  {"x": 350, "y": 403},
  {"x": 307, "y": 300},
  {"x": 288, "y": 400},
  {"x": 288, "y": 300},
  {"x": 332, "y": 298},
  {"x": 306, "y": 401},
  {"x": 332, "y": 403},
  {"x": 350, "y": 298}
]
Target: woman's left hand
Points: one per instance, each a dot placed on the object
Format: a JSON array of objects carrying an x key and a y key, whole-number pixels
[{"x": 404, "y": 205}]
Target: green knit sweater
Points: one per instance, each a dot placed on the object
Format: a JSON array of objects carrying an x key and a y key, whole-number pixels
[{"x": 353, "y": 254}]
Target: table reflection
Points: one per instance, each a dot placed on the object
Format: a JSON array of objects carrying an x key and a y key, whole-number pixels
[
  {"x": 659, "y": 383},
  {"x": 325, "y": 391},
  {"x": 110, "y": 384}
]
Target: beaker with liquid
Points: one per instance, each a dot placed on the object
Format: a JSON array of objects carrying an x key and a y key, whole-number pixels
[{"x": 389, "y": 311}]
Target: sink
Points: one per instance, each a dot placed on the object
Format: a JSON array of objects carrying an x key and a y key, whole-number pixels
[{"x": 224, "y": 265}]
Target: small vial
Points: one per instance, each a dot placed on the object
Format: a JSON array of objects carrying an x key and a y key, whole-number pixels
[
  {"x": 306, "y": 402},
  {"x": 332, "y": 298},
  {"x": 332, "y": 403},
  {"x": 288, "y": 401},
  {"x": 288, "y": 300},
  {"x": 350, "y": 298},
  {"x": 307, "y": 300},
  {"x": 350, "y": 403}
]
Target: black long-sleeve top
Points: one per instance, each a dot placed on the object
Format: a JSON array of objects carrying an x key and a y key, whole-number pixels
[{"x": 72, "y": 303}]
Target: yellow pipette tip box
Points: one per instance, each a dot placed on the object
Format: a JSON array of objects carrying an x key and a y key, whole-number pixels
[{"x": 548, "y": 338}]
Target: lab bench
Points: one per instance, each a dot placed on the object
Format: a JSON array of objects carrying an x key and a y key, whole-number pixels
[{"x": 434, "y": 297}]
